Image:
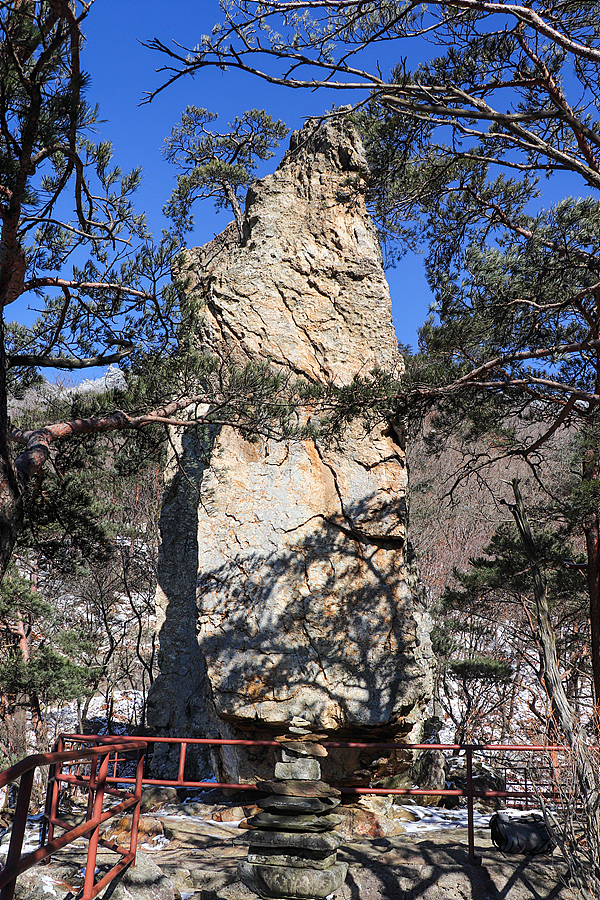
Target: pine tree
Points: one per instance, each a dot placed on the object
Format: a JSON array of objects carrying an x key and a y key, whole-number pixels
[
  {"x": 34, "y": 669},
  {"x": 487, "y": 628},
  {"x": 219, "y": 165}
]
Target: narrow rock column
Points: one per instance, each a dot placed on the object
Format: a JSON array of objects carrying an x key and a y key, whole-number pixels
[
  {"x": 292, "y": 851},
  {"x": 286, "y": 585}
]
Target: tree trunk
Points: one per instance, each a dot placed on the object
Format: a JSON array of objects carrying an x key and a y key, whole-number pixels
[
  {"x": 565, "y": 716},
  {"x": 235, "y": 208},
  {"x": 592, "y": 541},
  {"x": 13, "y": 728},
  {"x": 11, "y": 500},
  {"x": 545, "y": 636},
  {"x": 591, "y": 527},
  {"x": 582, "y": 806}
]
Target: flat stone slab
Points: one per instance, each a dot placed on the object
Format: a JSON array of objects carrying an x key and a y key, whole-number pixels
[
  {"x": 305, "y": 768},
  {"x": 281, "y": 882},
  {"x": 298, "y": 805},
  {"x": 298, "y": 788},
  {"x": 324, "y": 842},
  {"x": 325, "y": 822},
  {"x": 274, "y": 857},
  {"x": 304, "y": 748}
]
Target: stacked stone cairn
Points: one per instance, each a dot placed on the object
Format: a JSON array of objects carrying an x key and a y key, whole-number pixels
[{"x": 292, "y": 850}]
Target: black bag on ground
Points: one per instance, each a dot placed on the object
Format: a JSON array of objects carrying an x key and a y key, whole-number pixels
[{"x": 522, "y": 834}]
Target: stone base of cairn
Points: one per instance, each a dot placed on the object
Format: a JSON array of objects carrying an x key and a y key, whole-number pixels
[{"x": 292, "y": 850}]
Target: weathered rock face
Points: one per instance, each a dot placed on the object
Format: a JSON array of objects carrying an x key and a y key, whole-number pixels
[{"x": 284, "y": 583}]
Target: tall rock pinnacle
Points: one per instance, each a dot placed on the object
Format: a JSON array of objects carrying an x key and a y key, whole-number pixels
[{"x": 284, "y": 584}]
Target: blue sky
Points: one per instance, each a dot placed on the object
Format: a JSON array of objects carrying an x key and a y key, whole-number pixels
[{"x": 122, "y": 70}]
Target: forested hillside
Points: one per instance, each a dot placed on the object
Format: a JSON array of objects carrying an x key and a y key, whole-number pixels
[
  {"x": 77, "y": 606},
  {"x": 489, "y": 679}
]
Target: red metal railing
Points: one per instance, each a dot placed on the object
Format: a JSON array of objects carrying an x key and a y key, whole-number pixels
[
  {"x": 469, "y": 750},
  {"x": 98, "y": 783},
  {"x": 98, "y": 757}
]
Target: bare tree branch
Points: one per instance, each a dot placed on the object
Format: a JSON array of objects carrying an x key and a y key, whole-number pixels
[{"x": 70, "y": 363}]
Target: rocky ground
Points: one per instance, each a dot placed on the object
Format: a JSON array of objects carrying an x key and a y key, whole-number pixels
[{"x": 183, "y": 857}]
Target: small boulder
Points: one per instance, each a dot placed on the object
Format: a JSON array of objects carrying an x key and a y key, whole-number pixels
[
  {"x": 236, "y": 813},
  {"x": 156, "y": 797},
  {"x": 119, "y": 830},
  {"x": 404, "y": 814},
  {"x": 144, "y": 881},
  {"x": 359, "y": 822},
  {"x": 430, "y": 772},
  {"x": 39, "y": 882},
  {"x": 401, "y": 780},
  {"x": 484, "y": 779}
]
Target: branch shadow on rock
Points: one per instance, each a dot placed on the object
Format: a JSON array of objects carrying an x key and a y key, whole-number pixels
[{"x": 324, "y": 627}]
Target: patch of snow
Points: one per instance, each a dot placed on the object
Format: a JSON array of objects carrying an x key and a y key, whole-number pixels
[
  {"x": 234, "y": 824},
  {"x": 48, "y": 885},
  {"x": 516, "y": 813},
  {"x": 433, "y": 818},
  {"x": 30, "y": 839},
  {"x": 158, "y": 842}
]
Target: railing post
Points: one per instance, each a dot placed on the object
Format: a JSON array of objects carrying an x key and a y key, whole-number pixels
[
  {"x": 135, "y": 818},
  {"x": 52, "y": 799},
  {"x": 96, "y": 812},
  {"x": 92, "y": 786},
  {"x": 51, "y": 807},
  {"x": 18, "y": 833},
  {"x": 147, "y": 756},
  {"x": 474, "y": 860},
  {"x": 182, "y": 752}
]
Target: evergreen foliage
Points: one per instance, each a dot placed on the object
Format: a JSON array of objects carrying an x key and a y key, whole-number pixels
[
  {"x": 47, "y": 674},
  {"x": 33, "y": 672},
  {"x": 217, "y": 165},
  {"x": 486, "y": 621}
]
